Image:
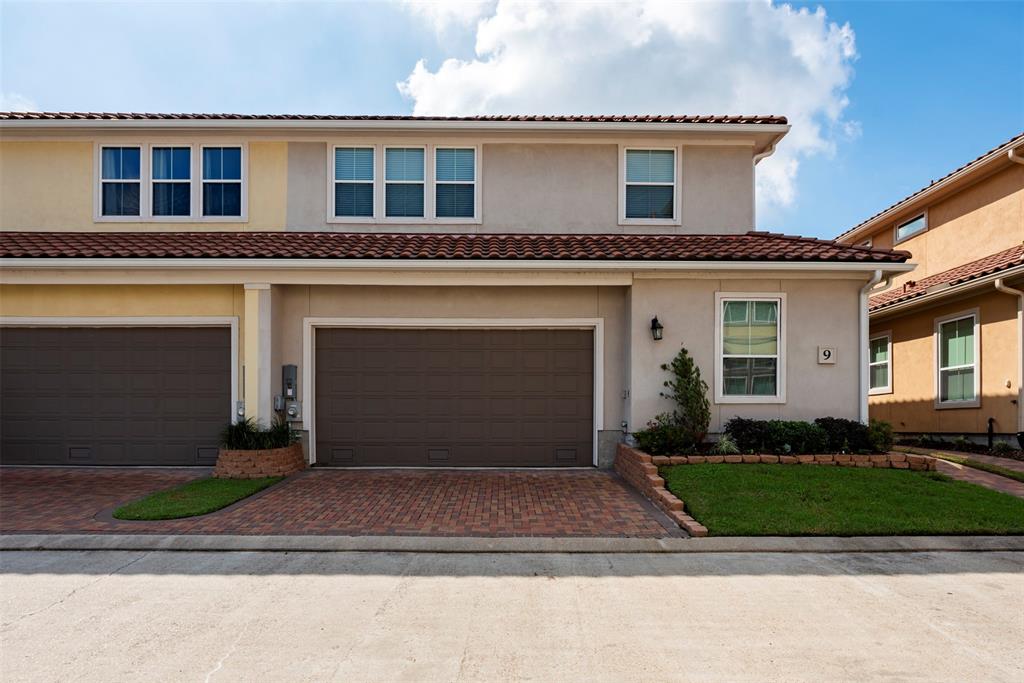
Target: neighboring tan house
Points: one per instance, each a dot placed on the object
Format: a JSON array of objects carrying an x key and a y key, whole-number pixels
[
  {"x": 409, "y": 291},
  {"x": 946, "y": 340}
]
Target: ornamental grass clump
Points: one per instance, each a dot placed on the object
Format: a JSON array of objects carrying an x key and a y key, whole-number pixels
[{"x": 249, "y": 435}]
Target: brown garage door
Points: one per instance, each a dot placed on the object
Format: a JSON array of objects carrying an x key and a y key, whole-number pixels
[
  {"x": 496, "y": 398},
  {"x": 113, "y": 396}
]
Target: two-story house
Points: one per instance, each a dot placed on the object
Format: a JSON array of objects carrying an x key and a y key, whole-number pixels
[
  {"x": 946, "y": 340},
  {"x": 482, "y": 291}
]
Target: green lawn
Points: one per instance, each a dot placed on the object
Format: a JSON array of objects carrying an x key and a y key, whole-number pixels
[
  {"x": 198, "y": 497},
  {"x": 791, "y": 500}
]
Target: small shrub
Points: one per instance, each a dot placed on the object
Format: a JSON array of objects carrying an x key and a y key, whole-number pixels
[
  {"x": 962, "y": 443},
  {"x": 845, "y": 436},
  {"x": 880, "y": 436},
  {"x": 248, "y": 435},
  {"x": 725, "y": 446},
  {"x": 690, "y": 394},
  {"x": 749, "y": 435},
  {"x": 1002, "y": 449},
  {"x": 664, "y": 436},
  {"x": 782, "y": 437}
]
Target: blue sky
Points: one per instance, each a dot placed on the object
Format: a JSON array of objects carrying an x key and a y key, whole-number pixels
[{"x": 884, "y": 96}]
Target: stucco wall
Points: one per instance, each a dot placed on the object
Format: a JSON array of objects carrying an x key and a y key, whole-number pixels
[
  {"x": 911, "y": 405},
  {"x": 49, "y": 185},
  {"x": 981, "y": 219},
  {"x": 819, "y": 312}
]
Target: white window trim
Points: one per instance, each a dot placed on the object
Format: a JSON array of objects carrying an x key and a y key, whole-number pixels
[
  {"x": 896, "y": 239},
  {"x": 887, "y": 389},
  {"x": 780, "y": 386},
  {"x": 244, "y": 217},
  {"x": 429, "y": 185},
  {"x": 146, "y": 183},
  {"x": 332, "y": 183},
  {"x": 677, "y": 166},
  {"x": 974, "y": 313},
  {"x": 475, "y": 183}
]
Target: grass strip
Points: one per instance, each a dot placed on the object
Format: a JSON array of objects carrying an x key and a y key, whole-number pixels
[{"x": 199, "y": 497}]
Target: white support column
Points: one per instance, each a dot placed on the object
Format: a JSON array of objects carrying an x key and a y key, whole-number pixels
[{"x": 256, "y": 353}]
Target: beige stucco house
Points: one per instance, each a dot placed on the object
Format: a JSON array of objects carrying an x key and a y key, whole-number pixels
[
  {"x": 408, "y": 291},
  {"x": 945, "y": 345}
]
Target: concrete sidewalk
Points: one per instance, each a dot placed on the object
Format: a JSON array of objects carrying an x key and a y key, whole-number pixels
[{"x": 449, "y": 544}]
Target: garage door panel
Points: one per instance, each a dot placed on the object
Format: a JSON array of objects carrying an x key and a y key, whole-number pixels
[
  {"x": 454, "y": 397},
  {"x": 113, "y": 396}
]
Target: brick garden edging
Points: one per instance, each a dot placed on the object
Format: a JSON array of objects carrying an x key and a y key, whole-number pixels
[
  {"x": 277, "y": 462},
  {"x": 641, "y": 471}
]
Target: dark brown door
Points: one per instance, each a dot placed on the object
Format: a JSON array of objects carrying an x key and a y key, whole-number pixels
[
  {"x": 113, "y": 395},
  {"x": 465, "y": 398}
]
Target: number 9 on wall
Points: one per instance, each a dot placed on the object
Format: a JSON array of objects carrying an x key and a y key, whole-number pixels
[{"x": 826, "y": 355}]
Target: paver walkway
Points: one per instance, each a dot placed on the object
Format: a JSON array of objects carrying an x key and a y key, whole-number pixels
[
  {"x": 980, "y": 477},
  {"x": 345, "y": 502}
]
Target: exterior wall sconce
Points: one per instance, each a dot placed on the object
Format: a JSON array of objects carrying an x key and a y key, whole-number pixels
[{"x": 657, "y": 329}]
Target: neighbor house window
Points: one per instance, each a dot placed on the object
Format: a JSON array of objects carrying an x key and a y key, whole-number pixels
[
  {"x": 750, "y": 348},
  {"x": 455, "y": 183},
  {"x": 172, "y": 181},
  {"x": 120, "y": 181},
  {"x": 222, "y": 181},
  {"x": 911, "y": 227},
  {"x": 880, "y": 364},
  {"x": 650, "y": 184},
  {"x": 403, "y": 182},
  {"x": 353, "y": 182},
  {"x": 957, "y": 360}
]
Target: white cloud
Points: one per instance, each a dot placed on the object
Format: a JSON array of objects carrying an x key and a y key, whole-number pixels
[
  {"x": 653, "y": 57},
  {"x": 12, "y": 101},
  {"x": 444, "y": 14}
]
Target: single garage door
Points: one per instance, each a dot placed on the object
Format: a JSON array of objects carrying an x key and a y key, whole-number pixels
[
  {"x": 113, "y": 395},
  {"x": 465, "y": 398}
]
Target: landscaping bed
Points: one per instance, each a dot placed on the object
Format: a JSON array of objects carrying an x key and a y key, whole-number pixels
[
  {"x": 773, "y": 500},
  {"x": 199, "y": 497}
]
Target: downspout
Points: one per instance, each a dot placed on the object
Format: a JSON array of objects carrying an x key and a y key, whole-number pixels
[
  {"x": 1001, "y": 286},
  {"x": 876, "y": 277}
]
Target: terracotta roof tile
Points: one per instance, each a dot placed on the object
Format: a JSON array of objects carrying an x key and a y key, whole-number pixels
[
  {"x": 576, "y": 118},
  {"x": 1003, "y": 260},
  {"x": 751, "y": 246}
]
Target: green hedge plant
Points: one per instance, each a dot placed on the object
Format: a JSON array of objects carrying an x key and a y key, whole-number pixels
[{"x": 795, "y": 437}]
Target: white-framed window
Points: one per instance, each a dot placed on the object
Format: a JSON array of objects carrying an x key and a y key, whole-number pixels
[
  {"x": 650, "y": 191},
  {"x": 750, "y": 354},
  {"x": 455, "y": 195},
  {"x": 957, "y": 348},
  {"x": 880, "y": 363},
  {"x": 354, "y": 173},
  {"x": 405, "y": 182},
  {"x": 120, "y": 187},
  {"x": 170, "y": 182},
  {"x": 223, "y": 167},
  {"x": 911, "y": 227}
]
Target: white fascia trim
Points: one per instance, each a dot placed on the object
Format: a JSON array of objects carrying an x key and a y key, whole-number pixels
[
  {"x": 400, "y": 125},
  {"x": 310, "y": 325},
  {"x": 437, "y": 264},
  {"x": 927, "y": 299}
]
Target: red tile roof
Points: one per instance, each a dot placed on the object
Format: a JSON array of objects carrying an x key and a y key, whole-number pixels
[
  {"x": 995, "y": 263},
  {"x": 577, "y": 118},
  {"x": 1001, "y": 149},
  {"x": 751, "y": 246}
]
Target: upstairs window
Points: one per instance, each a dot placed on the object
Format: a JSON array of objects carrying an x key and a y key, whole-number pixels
[
  {"x": 120, "y": 181},
  {"x": 455, "y": 183},
  {"x": 650, "y": 184},
  {"x": 958, "y": 351},
  {"x": 222, "y": 181},
  {"x": 880, "y": 364},
  {"x": 403, "y": 182},
  {"x": 172, "y": 181},
  {"x": 912, "y": 227},
  {"x": 353, "y": 182}
]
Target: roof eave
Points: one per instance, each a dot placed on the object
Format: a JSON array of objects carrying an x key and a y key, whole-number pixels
[{"x": 946, "y": 292}]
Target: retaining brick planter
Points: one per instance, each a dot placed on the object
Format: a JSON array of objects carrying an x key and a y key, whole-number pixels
[
  {"x": 641, "y": 471},
  {"x": 276, "y": 462}
]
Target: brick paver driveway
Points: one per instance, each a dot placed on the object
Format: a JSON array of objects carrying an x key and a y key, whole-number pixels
[{"x": 344, "y": 502}]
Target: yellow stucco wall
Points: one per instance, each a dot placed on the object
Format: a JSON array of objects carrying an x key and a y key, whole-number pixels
[
  {"x": 49, "y": 185},
  {"x": 911, "y": 405},
  {"x": 981, "y": 219}
]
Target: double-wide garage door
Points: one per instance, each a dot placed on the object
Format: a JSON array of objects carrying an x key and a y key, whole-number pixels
[
  {"x": 454, "y": 397},
  {"x": 113, "y": 395}
]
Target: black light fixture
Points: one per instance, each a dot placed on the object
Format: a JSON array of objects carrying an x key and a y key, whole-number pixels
[{"x": 656, "y": 329}]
